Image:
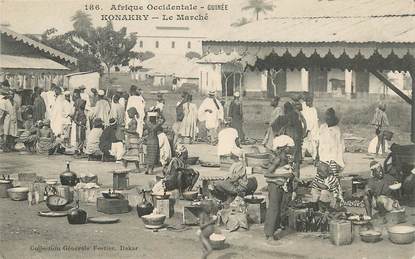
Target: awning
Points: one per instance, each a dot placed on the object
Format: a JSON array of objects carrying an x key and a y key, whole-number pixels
[
  {"x": 29, "y": 63},
  {"x": 387, "y": 42}
]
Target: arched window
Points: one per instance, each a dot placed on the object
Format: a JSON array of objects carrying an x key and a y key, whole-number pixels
[
  {"x": 189, "y": 44},
  {"x": 173, "y": 44},
  {"x": 141, "y": 44},
  {"x": 157, "y": 44}
]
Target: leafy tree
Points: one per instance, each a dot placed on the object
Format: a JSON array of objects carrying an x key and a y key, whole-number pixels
[
  {"x": 192, "y": 55},
  {"x": 112, "y": 47},
  {"x": 82, "y": 23},
  {"x": 259, "y": 6},
  {"x": 240, "y": 22}
]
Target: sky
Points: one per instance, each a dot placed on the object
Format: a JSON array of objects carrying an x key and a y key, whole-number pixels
[{"x": 35, "y": 16}]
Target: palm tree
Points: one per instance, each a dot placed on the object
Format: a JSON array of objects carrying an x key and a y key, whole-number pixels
[
  {"x": 82, "y": 22},
  {"x": 259, "y": 6},
  {"x": 240, "y": 22}
]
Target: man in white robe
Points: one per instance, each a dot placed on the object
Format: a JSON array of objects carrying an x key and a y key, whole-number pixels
[
  {"x": 137, "y": 101},
  {"x": 85, "y": 96},
  {"x": 67, "y": 114},
  {"x": 102, "y": 109},
  {"x": 211, "y": 112},
  {"x": 56, "y": 115},
  {"x": 228, "y": 142},
  {"x": 9, "y": 115},
  {"x": 310, "y": 115},
  {"x": 49, "y": 98}
]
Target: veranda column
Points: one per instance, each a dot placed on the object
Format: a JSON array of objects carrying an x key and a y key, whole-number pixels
[
  {"x": 304, "y": 80},
  {"x": 348, "y": 79}
]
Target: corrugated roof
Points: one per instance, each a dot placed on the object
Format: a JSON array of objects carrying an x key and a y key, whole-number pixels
[
  {"x": 42, "y": 47},
  {"x": 21, "y": 62},
  {"x": 361, "y": 29}
]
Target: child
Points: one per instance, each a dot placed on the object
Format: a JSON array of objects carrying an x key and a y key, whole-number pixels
[
  {"x": 207, "y": 228},
  {"x": 160, "y": 102},
  {"x": 325, "y": 188},
  {"x": 132, "y": 139}
]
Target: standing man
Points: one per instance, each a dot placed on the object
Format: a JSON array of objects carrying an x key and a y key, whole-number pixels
[
  {"x": 311, "y": 140},
  {"x": 56, "y": 111},
  {"x": 9, "y": 111},
  {"x": 102, "y": 108},
  {"x": 211, "y": 111},
  {"x": 67, "y": 112},
  {"x": 270, "y": 134},
  {"x": 236, "y": 114},
  {"x": 49, "y": 98},
  {"x": 381, "y": 122},
  {"x": 174, "y": 84},
  {"x": 137, "y": 101},
  {"x": 85, "y": 96}
]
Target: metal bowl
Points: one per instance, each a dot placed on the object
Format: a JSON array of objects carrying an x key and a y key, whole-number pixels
[
  {"x": 190, "y": 195},
  {"x": 56, "y": 203},
  {"x": 217, "y": 241},
  {"x": 192, "y": 160},
  {"x": 112, "y": 195},
  {"x": 400, "y": 234},
  {"x": 370, "y": 236},
  {"x": 254, "y": 199},
  {"x": 154, "y": 219}
]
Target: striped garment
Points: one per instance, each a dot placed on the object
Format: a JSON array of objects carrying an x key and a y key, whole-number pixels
[{"x": 332, "y": 182}]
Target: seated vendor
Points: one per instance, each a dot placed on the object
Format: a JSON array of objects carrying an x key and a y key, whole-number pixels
[
  {"x": 325, "y": 188},
  {"x": 93, "y": 140},
  {"x": 47, "y": 143},
  {"x": 280, "y": 179},
  {"x": 29, "y": 135},
  {"x": 237, "y": 184},
  {"x": 378, "y": 194},
  {"x": 177, "y": 175},
  {"x": 228, "y": 142}
]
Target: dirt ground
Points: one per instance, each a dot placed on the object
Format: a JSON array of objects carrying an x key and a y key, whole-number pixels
[{"x": 26, "y": 235}]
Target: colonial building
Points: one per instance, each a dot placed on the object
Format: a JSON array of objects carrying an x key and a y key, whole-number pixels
[{"x": 169, "y": 40}]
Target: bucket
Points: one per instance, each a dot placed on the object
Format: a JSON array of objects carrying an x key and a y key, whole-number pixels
[{"x": 4, "y": 186}]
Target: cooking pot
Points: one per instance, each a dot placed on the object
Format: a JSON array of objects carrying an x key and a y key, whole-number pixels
[
  {"x": 401, "y": 234},
  {"x": 145, "y": 207},
  {"x": 77, "y": 215},
  {"x": 68, "y": 177}
]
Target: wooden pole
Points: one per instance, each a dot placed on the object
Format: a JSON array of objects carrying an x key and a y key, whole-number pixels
[
  {"x": 412, "y": 72},
  {"x": 384, "y": 80}
]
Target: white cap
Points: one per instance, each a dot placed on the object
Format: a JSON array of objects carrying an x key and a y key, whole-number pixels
[
  {"x": 413, "y": 171},
  {"x": 101, "y": 92},
  {"x": 282, "y": 141},
  {"x": 236, "y": 94},
  {"x": 67, "y": 93}
]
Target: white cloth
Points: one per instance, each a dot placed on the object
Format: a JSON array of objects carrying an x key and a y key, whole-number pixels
[
  {"x": 211, "y": 118},
  {"x": 49, "y": 99},
  {"x": 165, "y": 149},
  {"x": 122, "y": 101},
  {"x": 67, "y": 112},
  {"x": 102, "y": 110},
  {"x": 10, "y": 120},
  {"x": 2, "y": 111},
  {"x": 117, "y": 150},
  {"x": 227, "y": 142},
  {"x": 160, "y": 106},
  {"x": 311, "y": 118},
  {"x": 331, "y": 145},
  {"x": 139, "y": 104},
  {"x": 85, "y": 96},
  {"x": 282, "y": 141},
  {"x": 56, "y": 116},
  {"x": 371, "y": 149},
  {"x": 188, "y": 126}
]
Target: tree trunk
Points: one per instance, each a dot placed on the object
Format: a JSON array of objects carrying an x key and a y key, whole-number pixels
[{"x": 108, "y": 71}]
